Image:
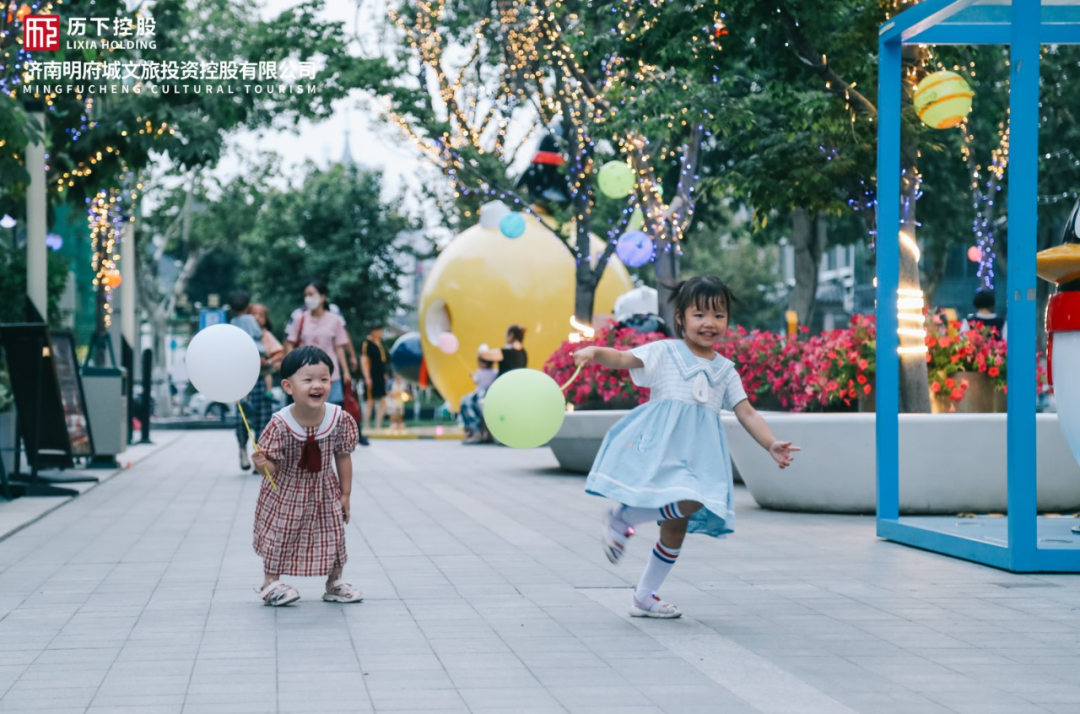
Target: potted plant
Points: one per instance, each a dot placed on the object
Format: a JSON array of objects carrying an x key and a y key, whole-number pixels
[
  {"x": 841, "y": 367},
  {"x": 771, "y": 367}
]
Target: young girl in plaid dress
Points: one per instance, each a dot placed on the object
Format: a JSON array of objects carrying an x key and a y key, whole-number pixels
[{"x": 300, "y": 527}]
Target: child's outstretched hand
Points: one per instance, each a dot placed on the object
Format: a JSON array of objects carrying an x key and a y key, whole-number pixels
[
  {"x": 782, "y": 452},
  {"x": 585, "y": 355}
]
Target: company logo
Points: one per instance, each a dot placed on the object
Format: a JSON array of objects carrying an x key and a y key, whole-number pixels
[{"x": 41, "y": 33}]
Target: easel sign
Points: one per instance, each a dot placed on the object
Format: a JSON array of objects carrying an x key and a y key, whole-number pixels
[{"x": 43, "y": 418}]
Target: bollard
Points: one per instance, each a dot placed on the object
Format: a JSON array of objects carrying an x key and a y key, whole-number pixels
[{"x": 147, "y": 380}]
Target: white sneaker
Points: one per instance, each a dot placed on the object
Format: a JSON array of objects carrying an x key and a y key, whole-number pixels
[
  {"x": 654, "y": 607},
  {"x": 615, "y": 535}
]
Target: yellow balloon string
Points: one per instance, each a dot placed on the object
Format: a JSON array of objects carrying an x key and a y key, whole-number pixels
[
  {"x": 256, "y": 444},
  {"x": 572, "y": 378}
]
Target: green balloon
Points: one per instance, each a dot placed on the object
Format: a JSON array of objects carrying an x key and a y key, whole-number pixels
[
  {"x": 637, "y": 220},
  {"x": 524, "y": 408},
  {"x": 616, "y": 179}
]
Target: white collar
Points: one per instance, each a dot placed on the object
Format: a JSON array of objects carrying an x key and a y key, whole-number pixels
[
  {"x": 330, "y": 420},
  {"x": 690, "y": 364}
]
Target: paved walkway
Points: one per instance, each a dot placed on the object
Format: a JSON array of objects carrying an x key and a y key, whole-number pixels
[{"x": 487, "y": 592}]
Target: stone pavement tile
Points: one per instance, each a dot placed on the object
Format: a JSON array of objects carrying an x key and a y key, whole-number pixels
[
  {"x": 889, "y": 702},
  {"x": 253, "y": 707},
  {"x": 53, "y": 678},
  {"x": 599, "y": 697},
  {"x": 38, "y": 699},
  {"x": 603, "y": 676},
  {"x": 507, "y": 699},
  {"x": 393, "y": 680},
  {"x": 151, "y": 709},
  {"x": 128, "y": 701},
  {"x": 479, "y": 679},
  {"x": 381, "y": 663},
  {"x": 985, "y": 702},
  {"x": 430, "y": 699},
  {"x": 454, "y": 646},
  {"x": 693, "y": 699}
]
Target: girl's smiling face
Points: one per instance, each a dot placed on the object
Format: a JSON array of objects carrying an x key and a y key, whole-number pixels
[
  {"x": 704, "y": 325},
  {"x": 310, "y": 386}
]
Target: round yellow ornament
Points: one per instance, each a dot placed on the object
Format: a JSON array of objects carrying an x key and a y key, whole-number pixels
[
  {"x": 943, "y": 99},
  {"x": 482, "y": 283}
]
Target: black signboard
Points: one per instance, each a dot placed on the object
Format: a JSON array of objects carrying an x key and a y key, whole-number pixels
[
  {"x": 36, "y": 386},
  {"x": 71, "y": 394}
]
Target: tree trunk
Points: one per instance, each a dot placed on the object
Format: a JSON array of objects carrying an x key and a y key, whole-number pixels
[
  {"x": 806, "y": 240},
  {"x": 667, "y": 277},
  {"x": 585, "y": 282},
  {"x": 914, "y": 382}
]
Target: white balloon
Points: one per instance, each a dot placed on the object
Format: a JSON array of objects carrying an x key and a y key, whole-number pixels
[
  {"x": 492, "y": 213},
  {"x": 223, "y": 363}
]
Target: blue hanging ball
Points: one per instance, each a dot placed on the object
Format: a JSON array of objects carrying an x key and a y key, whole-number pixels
[
  {"x": 512, "y": 225},
  {"x": 634, "y": 249}
]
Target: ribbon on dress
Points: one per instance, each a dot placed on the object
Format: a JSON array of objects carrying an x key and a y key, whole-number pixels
[{"x": 310, "y": 456}]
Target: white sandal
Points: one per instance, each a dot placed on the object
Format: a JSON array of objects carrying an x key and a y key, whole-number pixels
[
  {"x": 341, "y": 591},
  {"x": 614, "y": 539},
  {"x": 277, "y": 594},
  {"x": 654, "y": 607}
]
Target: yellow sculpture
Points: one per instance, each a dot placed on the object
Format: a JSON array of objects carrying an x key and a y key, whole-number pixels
[{"x": 483, "y": 282}]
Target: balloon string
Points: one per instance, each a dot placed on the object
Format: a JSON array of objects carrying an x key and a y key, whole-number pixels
[
  {"x": 572, "y": 378},
  {"x": 251, "y": 436}
]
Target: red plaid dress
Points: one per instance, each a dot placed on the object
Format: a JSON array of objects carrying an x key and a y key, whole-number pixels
[{"x": 299, "y": 529}]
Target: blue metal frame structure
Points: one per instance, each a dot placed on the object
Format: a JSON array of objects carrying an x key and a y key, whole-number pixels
[{"x": 1023, "y": 25}]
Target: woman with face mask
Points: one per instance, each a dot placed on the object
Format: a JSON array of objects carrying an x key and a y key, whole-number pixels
[{"x": 318, "y": 327}]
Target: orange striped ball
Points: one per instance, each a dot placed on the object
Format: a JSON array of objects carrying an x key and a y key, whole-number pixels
[{"x": 943, "y": 99}]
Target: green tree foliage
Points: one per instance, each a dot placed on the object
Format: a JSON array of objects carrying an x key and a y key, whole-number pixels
[{"x": 334, "y": 228}]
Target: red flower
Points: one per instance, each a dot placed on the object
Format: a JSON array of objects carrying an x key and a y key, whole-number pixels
[
  {"x": 866, "y": 389},
  {"x": 931, "y": 342},
  {"x": 944, "y": 341},
  {"x": 935, "y": 387},
  {"x": 861, "y": 379},
  {"x": 950, "y": 383},
  {"x": 994, "y": 371},
  {"x": 863, "y": 364},
  {"x": 956, "y": 395}
]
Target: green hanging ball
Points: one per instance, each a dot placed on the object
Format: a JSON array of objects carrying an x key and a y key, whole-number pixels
[
  {"x": 637, "y": 220},
  {"x": 616, "y": 179},
  {"x": 524, "y": 408}
]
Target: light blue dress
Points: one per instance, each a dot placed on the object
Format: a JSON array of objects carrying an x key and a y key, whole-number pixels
[{"x": 673, "y": 447}]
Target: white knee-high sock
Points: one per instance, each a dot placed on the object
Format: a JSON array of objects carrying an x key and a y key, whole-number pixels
[
  {"x": 634, "y": 516},
  {"x": 656, "y": 570}
]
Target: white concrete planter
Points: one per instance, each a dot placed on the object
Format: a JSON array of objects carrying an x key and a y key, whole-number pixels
[
  {"x": 949, "y": 463},
  {"x": 579, "y": 439}
]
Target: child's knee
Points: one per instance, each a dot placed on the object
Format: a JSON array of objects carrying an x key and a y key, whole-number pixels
[{"x": 689, "y": 508}]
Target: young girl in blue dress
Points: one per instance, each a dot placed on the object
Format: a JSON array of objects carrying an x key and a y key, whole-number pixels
[{"x": 667, "y": 460}]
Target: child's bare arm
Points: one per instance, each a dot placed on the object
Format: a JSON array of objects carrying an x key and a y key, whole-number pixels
[
  {"x": 607, "y": 357},
  {"x": 344, "y": 469},
  {"x": 757, "y": 427}
]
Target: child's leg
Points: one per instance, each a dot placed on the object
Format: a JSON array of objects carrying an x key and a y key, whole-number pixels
[
  {"x": 664, "y": 555},
  {"x": 673, "y": 511}
]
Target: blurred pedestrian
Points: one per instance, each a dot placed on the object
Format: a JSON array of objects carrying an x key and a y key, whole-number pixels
[
  {"x": 258, "y": 406},
  {"x": 373, "y": 361}
]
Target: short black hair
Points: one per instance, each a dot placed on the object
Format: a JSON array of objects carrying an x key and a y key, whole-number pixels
[
  {"x": 516, "y": 333},
  {"x": 304, "y": 357},
  {"x": 320, "y": 287},
  {"x": 984, "y": 299},
  {"x": 239, "y": 301},
  {"x": 703, "y": 291}
]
